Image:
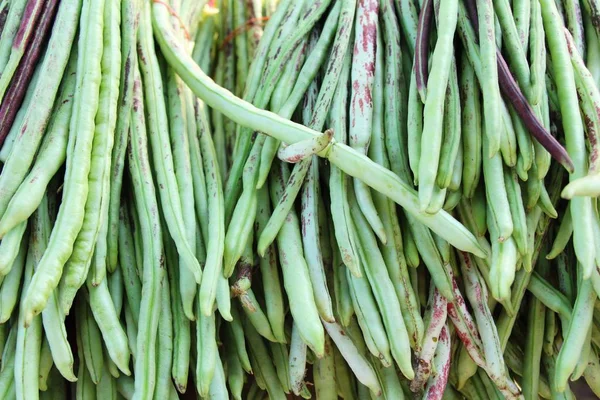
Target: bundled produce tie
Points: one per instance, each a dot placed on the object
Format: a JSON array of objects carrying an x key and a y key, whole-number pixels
[{"x": 256, "y": 199}]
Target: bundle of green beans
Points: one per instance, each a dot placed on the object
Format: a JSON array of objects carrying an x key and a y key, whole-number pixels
[{"x": 257, "y": 199}]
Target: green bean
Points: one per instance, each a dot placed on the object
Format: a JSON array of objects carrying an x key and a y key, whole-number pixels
[
  {"x": 106, "y": 122},
  {"x": 111, "y": 367},
  {"x": 235, "y": 373},
  {"x": 285, "y": 85},
  {"x": 151, "y": 235},
  {"x": 537, "y": 53},
  {"x": 206, "y": 345},
  {"x": 551, "y": 298},
  {"x": 409, "y": 246},
  {"x": 550, "y": 331},
  {"x": 9, "y": 291},
  {"x": 29, "y": 340},
  {"x": 198, "y": 174},
  {"x": 550, "y": 364},
  {"x": 573, "y": 127},
  {"x": 525, "y": 146},
  {"x": 575, "y": 25},
  {"x": 577, "y": 330},
  {"x": 56, "y": 336},
  {"x": 434, "y": 106},
  {"x": 243, "y": 216},
  {"x": 363, "y": 70},
  {"x": 508, "y": 140},
  {"x": 343, "y": 300},
  {"x": 310, "y": 237},
  {"x": 181, "y": 326},
  {"x": 297, "y": 361},
  {"x": 237, "y": 335},
  {"x": 241, "y": 46},
  {"x": 71, "y": 213},
  {"x": 218, "y": 389},
  {"x": 216, "y": 217},
  {"x": 431, "y": 258},
  {"x": 513, "y": 43},
  {"x": 180, "y": 146},
  {"x": 269, "y": 271},
  {"x": 414, "y": 128},
  {"x": 369, "y": 319},
  {"x": 546, "y": 204},
  {"x": 127, "y": 264},
  {"x": 517, "y": 210},
  {"x": 262, "y": 364},
  {"x": 296, "y": 277},
  {"x": 522, "y": 16},
  {"x": 409, "y": 18},
  {"x": 130, "y": 21},
  {"x": 497, "y": 197},
  {"x": 395, "y": 93},
  {"x": 338, "y": 182},
  {"x": 280, "y": 358},
  {"x": 228, "y": 80},
  {"x": 489, "y": 77},
  {"x": 164, "y": 344},
  {"x": 451, "y": 131},
  {"x": 360, "y": 366},
  {"x": 161, "y": 150},
  {"x": 256, "y": 315},
  {"x": 589, "y": 96},
  {"x": 533, "y": 349},
  {"x": 50, "y": 157},
  {"x": 583, "y": 358},
  {"x": 107, "y": 319},
  {"x": 338, "y": 154},
  {"x": 345, "y": 380},
  {"x": 132, "y": 328},
  {"x": 91, "y": 340}
]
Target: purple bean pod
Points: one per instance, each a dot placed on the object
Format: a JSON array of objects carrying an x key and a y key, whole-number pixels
[{"x": 33, "y": 11}]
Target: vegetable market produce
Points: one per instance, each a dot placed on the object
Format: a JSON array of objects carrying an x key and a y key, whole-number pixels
[{"x": 258, "y": 199}]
